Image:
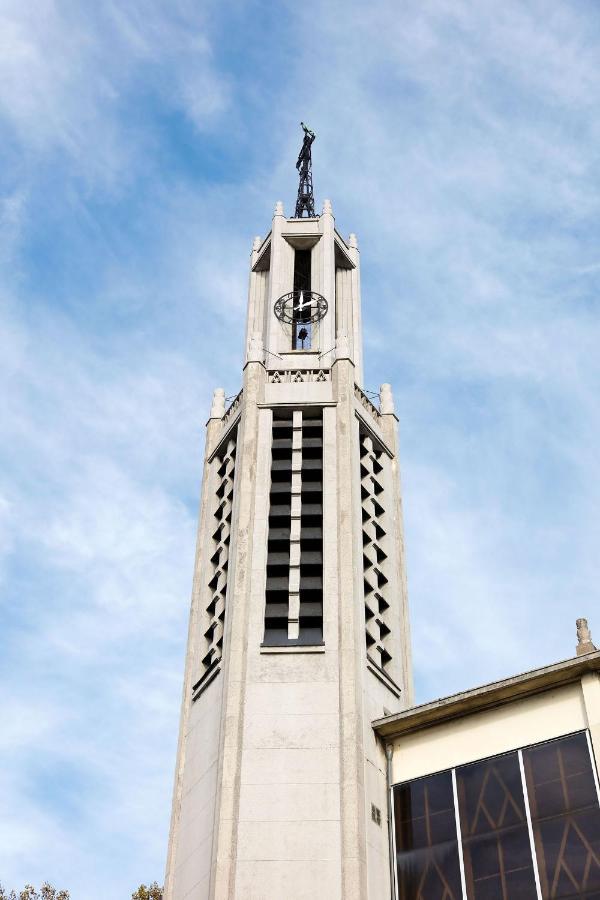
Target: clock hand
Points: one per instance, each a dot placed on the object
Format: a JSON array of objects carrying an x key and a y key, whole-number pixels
[{"x": 303, "y": 302}]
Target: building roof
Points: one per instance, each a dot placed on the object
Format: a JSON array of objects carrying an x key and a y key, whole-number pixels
[{"x": 487, "y": 696}]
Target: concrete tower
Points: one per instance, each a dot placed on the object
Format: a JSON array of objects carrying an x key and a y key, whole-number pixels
[{"x": 299, "y": 632}]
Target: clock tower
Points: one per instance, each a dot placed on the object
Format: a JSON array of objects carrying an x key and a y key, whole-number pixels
[{"x": 298, "y": 634}]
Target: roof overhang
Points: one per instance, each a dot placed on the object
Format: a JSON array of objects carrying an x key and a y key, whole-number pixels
[
  {"x": 487, "y": 696},
  {"x": 301, "y": 241},
  {"x": 263, "y": 261},
  {"x": 342, "y": 258}
]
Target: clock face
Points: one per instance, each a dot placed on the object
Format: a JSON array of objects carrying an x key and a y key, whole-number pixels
[{"x": 300, "y": 306}]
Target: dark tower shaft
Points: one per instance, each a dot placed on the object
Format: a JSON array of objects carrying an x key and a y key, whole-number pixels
[{"x": 305, "y": 203}]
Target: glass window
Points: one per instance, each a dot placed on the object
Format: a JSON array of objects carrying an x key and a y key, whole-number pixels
[
  {"x": 495, "y": 837},
  {"x": 543, "y": 797},
  {"x": 426, "y": 841},
  {"x": 565, "y": 817}
]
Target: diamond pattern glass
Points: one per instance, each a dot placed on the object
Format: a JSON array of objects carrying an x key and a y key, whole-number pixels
[
  {"x": 496, "y": 847},
  {"x": 565, "y": 817},
  {"x": 426, "y": 840}
]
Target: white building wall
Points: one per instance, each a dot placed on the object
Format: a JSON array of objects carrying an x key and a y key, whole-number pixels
[{"x": 489, "y": 732}]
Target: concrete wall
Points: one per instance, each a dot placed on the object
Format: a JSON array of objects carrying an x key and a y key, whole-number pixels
[
  {"x": 193, "y": 851},
  {"x": 278, "y": 764},
  {"x": 196, "y": 774}
]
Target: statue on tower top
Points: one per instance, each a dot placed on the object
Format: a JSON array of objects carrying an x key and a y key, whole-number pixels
[{"x": 305, "y": 203}]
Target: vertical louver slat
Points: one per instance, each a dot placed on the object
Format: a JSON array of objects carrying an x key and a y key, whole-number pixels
[
  {"x": 280, "y": 517},
  {"x": 377, "y": 629},
  {"x": 219, "y": 559},
  {"x": 311, "y": 532},
  {"x": 295, "y": 513},
  {"x": 294, "y": 588}
]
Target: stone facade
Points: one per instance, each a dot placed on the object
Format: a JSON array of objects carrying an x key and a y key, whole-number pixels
[{"x": 280, "y": 777}]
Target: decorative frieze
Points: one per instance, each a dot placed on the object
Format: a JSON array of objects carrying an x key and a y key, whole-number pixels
[{"x": 299, "y": 376}]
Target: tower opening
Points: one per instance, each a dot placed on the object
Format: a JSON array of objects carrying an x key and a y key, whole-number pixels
[
  {"x": 302, "y": 326},
  {"x": 294, "y": 587}
]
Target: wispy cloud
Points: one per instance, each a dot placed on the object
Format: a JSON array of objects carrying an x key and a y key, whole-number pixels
[
  {"x": 143, "y": 146},
  {"x": 78, "y": 80}
]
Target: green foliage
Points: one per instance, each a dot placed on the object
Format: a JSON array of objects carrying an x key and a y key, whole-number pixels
[
  {"x": 46, "y": 892},
  {"x": 152, "y": 892}
]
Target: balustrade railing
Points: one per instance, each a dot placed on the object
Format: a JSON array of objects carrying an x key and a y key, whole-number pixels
[
  {"x": 232, "y": 408},
  {"x": 364, "y": 400}
]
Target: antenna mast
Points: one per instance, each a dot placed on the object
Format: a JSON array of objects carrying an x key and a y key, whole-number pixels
[{"x": 305, "y": 203}]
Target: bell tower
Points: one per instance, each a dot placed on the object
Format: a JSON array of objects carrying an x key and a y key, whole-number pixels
[{"x": 298, "y": 634}]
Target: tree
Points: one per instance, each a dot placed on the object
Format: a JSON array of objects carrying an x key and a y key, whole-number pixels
[
  {"x": 47, "y": 892},
  {"x": 152, "y": 892}
]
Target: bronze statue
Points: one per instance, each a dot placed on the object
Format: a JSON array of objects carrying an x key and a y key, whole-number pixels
[{"x": 305, "y": 202}]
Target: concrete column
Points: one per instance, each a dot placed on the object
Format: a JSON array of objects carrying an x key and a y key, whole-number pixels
[
  {"x": 235, "y": 651},
  {"x": 389, "y": 425},
  {"x": 195, "y": 632},
  {"x": 280, "y": 282},
  {"x": 327, "y": 274},
  {"x": 356, "y": 340},
  {"x": 353, "y": 814},
  {"x": 253, "y": 312}
]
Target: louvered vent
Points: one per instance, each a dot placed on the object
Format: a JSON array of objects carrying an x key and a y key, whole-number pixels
[
  {"x": 294, "y": 592},
  {"x": 374, "y": 535},
  {"x": 219, "y": 559}
]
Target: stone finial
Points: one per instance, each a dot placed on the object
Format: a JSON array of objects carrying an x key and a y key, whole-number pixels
[
  {"x": 217, "y": 410},
  {"x": 278, "y": 209},
  {"x": 584, "y": 638},
  {"x": 342, "y": 347},
  {"x": 256, "y": 242},
  {"x": 352, "y": 241},
  {"x": 386, "y": 400},
  {"x": 255, "y": 347},
  {"x": 327, "y": 208}
]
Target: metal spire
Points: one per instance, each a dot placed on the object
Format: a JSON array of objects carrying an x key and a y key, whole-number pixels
[{"x": 305, "y": 204}]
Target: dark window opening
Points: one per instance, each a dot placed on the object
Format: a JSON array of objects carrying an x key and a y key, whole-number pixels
[
  {"x": 301, "y": 326},
  {"x": 496, "y": 846},
  {"x": 426, "y": 841},
  {"x": 302, "y": 478},
  {"x": 311, "y": 562},
  {"x": 278, "y": 546},
  {"x": 219, "y": 557}
]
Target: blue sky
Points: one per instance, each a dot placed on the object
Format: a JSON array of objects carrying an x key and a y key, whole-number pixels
[{"x": 142, "y": 146}]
